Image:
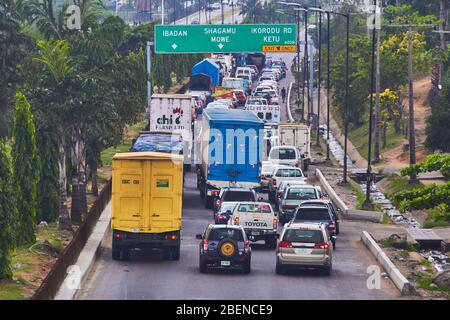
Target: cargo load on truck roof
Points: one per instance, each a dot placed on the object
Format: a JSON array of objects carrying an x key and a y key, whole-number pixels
[
  {"x": 200, "y": 82},
  {"x": 208, "y": 67},
  {"x": 231, "y": 116},
  {"x": 158, "y": 142}
]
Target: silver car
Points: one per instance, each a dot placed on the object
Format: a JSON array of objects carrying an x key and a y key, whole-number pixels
[{"x": 304, "y": 245}]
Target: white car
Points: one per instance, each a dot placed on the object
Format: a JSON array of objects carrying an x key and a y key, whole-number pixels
[
  {"x": 287, "y": 155},
  {"x": 267, "y": 170},
  {"x": 258, "y": 220},
  {"x": 283, "y": 174}
]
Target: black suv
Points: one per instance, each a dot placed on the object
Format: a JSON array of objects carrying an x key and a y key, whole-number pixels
[
  {"x": 235, "y": 195},
  {"x": 224, "y": 247},
  {"x": 334, "y": 210},
  {"x": 317, "y": 213}
]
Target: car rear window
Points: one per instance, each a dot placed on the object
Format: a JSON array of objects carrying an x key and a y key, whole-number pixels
[
  {"x": 288, "y": 173},
  {"x": 238, "y": 196},
  {"x": 304, "y": 236},
  {"x": 225, "y": 206},
  {"x": 313, "y": 214},
  {"x": 255, "y": 207},
  {"x": 222, "y": 233},
  {"x": 301, "y": 194},
  {"x": 283, "y": 154}
]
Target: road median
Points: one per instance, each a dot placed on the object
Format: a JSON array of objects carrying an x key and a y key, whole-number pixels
[{"x": 402, "y": 284}]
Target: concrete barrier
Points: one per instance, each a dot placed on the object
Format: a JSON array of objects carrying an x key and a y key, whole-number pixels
[
  {"x": 75, "y": 280},
  {"x": 347, "y": 213},
  {"x": 402, "y": 284},
  {"x": 288, "y": 104},
  {"x": 374, "y": 216},
  {"x": 326, "y": 187}
]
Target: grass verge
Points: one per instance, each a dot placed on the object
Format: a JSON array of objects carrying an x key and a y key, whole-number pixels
[{"x": 132, "y": 132}]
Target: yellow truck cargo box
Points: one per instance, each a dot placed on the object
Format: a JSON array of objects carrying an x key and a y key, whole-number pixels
[{"x": 147, "y": 192}]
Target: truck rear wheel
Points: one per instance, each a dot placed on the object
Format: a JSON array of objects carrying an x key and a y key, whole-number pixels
[
  {"x": 116, "y": 253},
  {"x": 172, "y": 253}
]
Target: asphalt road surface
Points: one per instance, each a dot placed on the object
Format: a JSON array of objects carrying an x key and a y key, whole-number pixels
[{"x": 147, "y": 276}]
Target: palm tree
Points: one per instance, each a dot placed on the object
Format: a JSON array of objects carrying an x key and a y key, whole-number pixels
[
  {"x": 251, "y": 9},
  {"x": 55, "y": 56}
]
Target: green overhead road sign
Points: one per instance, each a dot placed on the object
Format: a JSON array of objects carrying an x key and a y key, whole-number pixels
[{"x": 225, "y": 38}]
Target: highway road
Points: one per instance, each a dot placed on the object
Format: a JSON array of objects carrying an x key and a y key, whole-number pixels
[{"x": 147, "y": 276}]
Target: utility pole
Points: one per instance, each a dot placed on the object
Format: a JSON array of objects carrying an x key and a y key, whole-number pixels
[
  {"x": 412, "y": 136},
  {"x": 149, "y": 84},
  {"x": 347, "y": 45},
  {"x": 319, "y": 80},
  {"x": 328, "y": 85},
  {"x": 298, "y": 64},
  {"x": 186, "y": 11},
  {"x": 367, "y": 202},
  {"x": 221, "y": 9},
  {"x": 162, "y": 11},
  {"x": 376, "y": 151}
]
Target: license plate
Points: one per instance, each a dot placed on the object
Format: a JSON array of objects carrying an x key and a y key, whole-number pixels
[
  {"x": 254, "y": 233},
  {"x": 302, "y": 251},
  {"x": 225, "y": 263}
]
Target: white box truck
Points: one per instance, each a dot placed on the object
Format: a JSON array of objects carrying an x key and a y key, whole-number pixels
[
  {"x": 172, "y": 113},
  {"x": 298, "y": 135}
]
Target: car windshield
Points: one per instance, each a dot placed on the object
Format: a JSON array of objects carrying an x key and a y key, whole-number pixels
[
  {"x": 238, "y": 196},
  {"x": 304, "y": 236},
  {"x": 255, "y": 207},
  {"x": 312, "y": 214},
  {"x": 225, "y": 233},
  {"x": 283, "y": 154},
  {"x": 301, "y": 194},
  {"x": 288, "y": 173}
]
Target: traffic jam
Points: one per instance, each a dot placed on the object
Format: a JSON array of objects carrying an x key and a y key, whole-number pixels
[{"x": 251, "y": 172}]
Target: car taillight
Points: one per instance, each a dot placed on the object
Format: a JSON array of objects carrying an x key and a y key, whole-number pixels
[
  {"x": 285, "y": 244},
  {"x": 218, "y": 202},
  {"x": 205, "y": 244},
  {"x": 274, "y": 182},
  {"x": 171, "y": 237},
  {"x": 214, "y": 193},
  {"x": 331, "y": 226},
  {"x": 236, "y": 220},
  {"x": 118, "y": 236},
  {"x": 275, "y": 223},
  {"x": 321, "y": 245},
  {"x": 246, "y": 244}
]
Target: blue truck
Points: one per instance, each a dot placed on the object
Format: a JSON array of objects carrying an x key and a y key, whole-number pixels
[{"x": 230, "y": 147}]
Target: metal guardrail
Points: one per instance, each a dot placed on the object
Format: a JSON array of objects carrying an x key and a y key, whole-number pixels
[
  {"x": 288, "y": 105},
  {"x": 56, "y": 276}
]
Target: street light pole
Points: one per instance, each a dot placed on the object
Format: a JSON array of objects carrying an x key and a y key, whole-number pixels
[
  {"x": 162, "y": 11},
  {"x": 328, "y": 85},
  {"x": 347, "y": 16},
  {"x": 319, "y": 79},
  {"x": 367, "y": 203},
  {"x": 221, "y": 9},
  {"x": 412, "y": 137}
]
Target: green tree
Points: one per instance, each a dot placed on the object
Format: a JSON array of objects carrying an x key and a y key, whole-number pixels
[
  {"x": 251, "y": 10},
  {"x": 47, "y": 191},
  {"x": 58, "y": 68},
  {"x": 7, "y": 212},
  {"x": 24, "y": 162},
  {"x": 14, "y": 45}
]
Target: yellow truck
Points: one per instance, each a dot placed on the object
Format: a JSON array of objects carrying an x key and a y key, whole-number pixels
[{"x": 146, "y": 203}]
